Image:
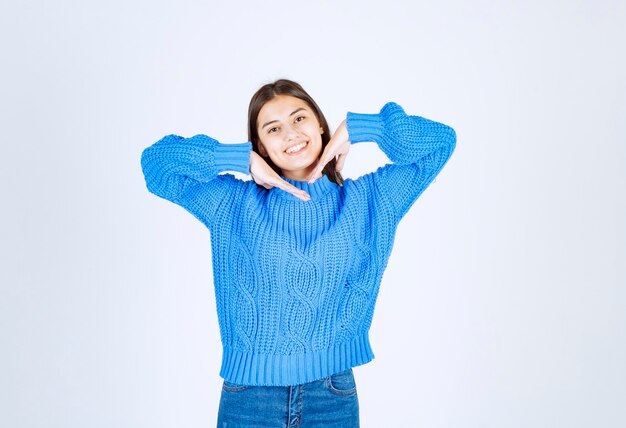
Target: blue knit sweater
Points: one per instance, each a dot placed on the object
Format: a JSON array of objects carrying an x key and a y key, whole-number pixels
[{"x": 296, "y": 282}]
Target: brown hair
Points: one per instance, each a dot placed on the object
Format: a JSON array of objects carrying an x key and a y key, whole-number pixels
[{"x": 268, "y": 92}]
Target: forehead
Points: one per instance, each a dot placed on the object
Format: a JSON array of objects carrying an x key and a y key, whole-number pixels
[{"x": 280, "y": 107}]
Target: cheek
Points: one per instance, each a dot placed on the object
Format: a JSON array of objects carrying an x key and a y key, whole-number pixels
[
  {"x": 318, "y": 138},
  {"x": 270, "y": 143},
  {"x": 274, "y": 150}
]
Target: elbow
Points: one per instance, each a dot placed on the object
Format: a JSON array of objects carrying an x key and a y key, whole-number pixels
[
  {"x": 146, "y": 164},
  {"x": 450, "y": 137},
  {"x": 448, "y": 140},
  {"x": 151, "y": 171}
]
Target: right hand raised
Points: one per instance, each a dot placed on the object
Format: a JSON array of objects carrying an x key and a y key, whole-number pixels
[{"x": 264, "y": 175}]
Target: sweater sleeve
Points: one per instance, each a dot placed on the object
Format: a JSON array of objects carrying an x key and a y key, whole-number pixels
[
  {"x": 185, "y": 171},
  {"x": 418, "y": 148}
]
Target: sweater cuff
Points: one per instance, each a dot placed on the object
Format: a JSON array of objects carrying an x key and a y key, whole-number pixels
[
  {"x": 364, "y": 127},
  {"x": 232, "y": 157}
]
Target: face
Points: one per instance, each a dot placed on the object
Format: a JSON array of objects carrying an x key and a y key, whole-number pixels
[{"x": 291, "y": 135}]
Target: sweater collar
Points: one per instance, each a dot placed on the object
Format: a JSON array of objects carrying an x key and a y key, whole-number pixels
[{"x": 316, "y": 190}]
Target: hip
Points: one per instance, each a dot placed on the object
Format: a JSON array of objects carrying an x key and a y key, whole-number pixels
[{"x": 328, "y": 402}]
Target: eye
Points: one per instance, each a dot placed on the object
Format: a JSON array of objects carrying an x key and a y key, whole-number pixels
[
  {"x": 274, "y": 129},
  {"x": 300, "y": 118}
]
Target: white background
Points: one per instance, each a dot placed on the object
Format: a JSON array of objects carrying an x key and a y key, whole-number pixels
[{"x": 503, "y": 303}]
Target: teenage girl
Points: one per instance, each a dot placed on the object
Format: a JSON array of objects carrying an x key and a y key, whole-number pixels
[{"x": 298, "y": 252}]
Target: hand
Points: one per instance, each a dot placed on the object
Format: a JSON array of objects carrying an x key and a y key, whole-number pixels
[
  {"x": 264, "y": 175},
  {"x": 338, "y": 147}
]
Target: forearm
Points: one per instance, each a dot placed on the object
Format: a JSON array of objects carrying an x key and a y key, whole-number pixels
[
  {"x": 418, "y": 148},
  {"x": 404, "y": 139},
  {"x": 174, "y": 162}
]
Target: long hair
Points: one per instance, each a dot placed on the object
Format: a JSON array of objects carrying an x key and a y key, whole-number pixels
[{"x": 268, "y": 92}]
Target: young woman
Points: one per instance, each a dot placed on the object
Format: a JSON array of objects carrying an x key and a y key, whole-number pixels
[{"x": 298, "y": 252}]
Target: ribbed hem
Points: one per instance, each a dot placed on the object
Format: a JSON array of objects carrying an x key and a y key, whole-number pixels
[
  {"x": 247, "y": 368},
  {"x": 364, "y": 127},
  {"x": 232, "y": 157}
]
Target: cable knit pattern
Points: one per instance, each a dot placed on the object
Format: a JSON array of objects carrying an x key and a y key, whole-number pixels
[{"x": 296, "y": 282}]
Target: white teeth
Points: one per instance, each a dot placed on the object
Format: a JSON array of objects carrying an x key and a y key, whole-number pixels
[{"x": 295, "y": 148}]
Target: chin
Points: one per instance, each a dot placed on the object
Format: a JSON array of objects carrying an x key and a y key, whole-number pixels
[{"x": 298, "y": 165}]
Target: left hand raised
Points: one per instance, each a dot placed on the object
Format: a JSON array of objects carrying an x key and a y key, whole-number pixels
[{"x": 338, "y": 147}]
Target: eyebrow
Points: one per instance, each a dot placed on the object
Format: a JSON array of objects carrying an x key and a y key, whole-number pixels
[{"x": 292, "y": 113}]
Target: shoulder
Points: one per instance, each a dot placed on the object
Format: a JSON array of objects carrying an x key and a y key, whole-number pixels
[
  {"x": 233, "y": 183},
  {"x": 224, "y": 191},
  {"x": 364, "y": 186},
  {"x": 368, "y": 182},
  {"x": 371, "y": 189}
]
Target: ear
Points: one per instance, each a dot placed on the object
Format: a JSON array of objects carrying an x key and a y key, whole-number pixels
[
  {"x": 262, "y": 150},
  {"x": 321, "y": 130}
]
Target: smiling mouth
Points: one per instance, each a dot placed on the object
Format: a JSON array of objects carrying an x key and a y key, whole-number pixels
[{"x": 296, "y": 148}]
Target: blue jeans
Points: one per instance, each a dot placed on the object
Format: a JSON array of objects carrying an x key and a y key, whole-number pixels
[{"x": 330, "y": 402}]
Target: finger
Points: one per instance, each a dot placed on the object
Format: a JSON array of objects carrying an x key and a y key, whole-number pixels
[
  {"x": 341, "y": 160},
  {"x": 290, "y": 188},
  {"x": 324, "y": 159},
  {"x": 315, "y": 173}
]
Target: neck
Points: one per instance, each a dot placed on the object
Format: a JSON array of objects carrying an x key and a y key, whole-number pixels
[
  {"x": 299, "y": 175},
  {"x": 316, "y": 190}
]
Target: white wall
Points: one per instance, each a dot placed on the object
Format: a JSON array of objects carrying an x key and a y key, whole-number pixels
[{"x": 503, "y": 303}]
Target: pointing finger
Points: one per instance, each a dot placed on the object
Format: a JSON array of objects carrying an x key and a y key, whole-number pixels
[
  {"x": 289, "y": 188},
  {"x": 341, "y": 160}
]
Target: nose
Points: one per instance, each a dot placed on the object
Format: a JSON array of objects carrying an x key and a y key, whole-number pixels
[{"x": 291, "y": 132}]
